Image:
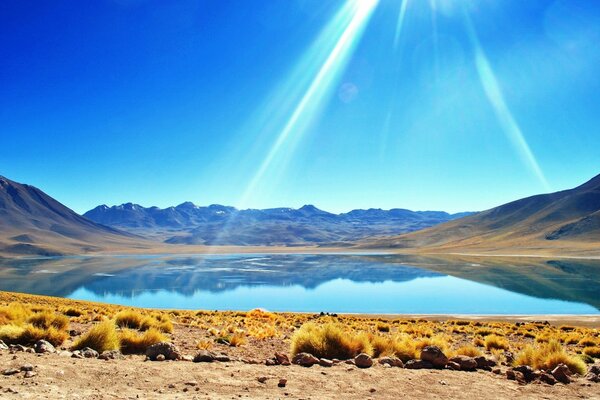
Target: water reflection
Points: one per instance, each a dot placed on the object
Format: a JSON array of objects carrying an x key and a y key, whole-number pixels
[{"x": 340, "y": 283}]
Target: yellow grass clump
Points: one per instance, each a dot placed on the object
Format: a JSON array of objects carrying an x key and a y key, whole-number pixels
[
  {"x": 100, "y": 337},
  {"x": 496, "y": 342},
  {"x": 329, "y": 341},
  {"x": 546, "y": 356},
  {"x": 133, "y": 342},
  {"x": 592, "y": 351},
  {"x": 468, "y": 350},
  {"x": 47, "y": 319}
]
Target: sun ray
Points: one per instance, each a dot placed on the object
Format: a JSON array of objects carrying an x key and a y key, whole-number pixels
[
  {"x": 494, "y": 94},
  {"x": 400, "y": 23}
]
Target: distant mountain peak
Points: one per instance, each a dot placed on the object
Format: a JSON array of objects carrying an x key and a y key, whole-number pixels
[{"x": 186, "y": 205}]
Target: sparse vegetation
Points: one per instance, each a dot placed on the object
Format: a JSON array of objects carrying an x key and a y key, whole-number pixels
[
  {"x": 329, "y": 341},
  {"x": 100, "y": 337},
  {"x": 133, "y": 342},
  {"x": 546, "y": 356},
  {"x": 496, "y": 342}
]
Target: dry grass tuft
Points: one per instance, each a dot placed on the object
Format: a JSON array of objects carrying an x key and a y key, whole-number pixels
[
  {"x": 496, "y": 342},
  {"x": 546, "y": 356},
  {"x": 133, "y": 342},
  {"x": 47, "y": 319},
  {"x": 592, "y": 351},
  {"x": 329, "y": 341},
  {"x": 468, "y": 350},
  {"x": 100, "y": 337}
]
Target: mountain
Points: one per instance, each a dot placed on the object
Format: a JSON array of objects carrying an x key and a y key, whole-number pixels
[
  {"x": 31, "y": 222},
  {"x": 565, "y": 219},
  {"x": 222, "y": 225}
]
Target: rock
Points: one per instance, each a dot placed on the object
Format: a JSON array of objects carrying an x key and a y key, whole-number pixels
[
  {"x": 169, "y": 350},
  {"x": 590, "y": 376},
  {"x": 65, "y": 353},
  {"x": 76, "y": 354},
  {"x": 324, "y": 362},
  {"x": 484, "y": 363},
  {"x": 10, "y": 371},
  {"x": 547, "y": 378},
  {"x": 262, "y": 379},
  {"x": 510, "y": 357},
  {"x": 88, "y": 352},
  {"x": 160, "y": 357},
  {"x": 434, "y": 355},
  {"x": 187, "y": 358},
  {"x": 222, "y": 358},
  {"x": 191, "y": 383},
  {"x": 418, "y": 364},
  {"x": 562, "y": 373},
  {"x": 204, "y": 356},
  {"x": 453, "y": 366},
  {"x": 305, "y": 360},
  {"x": 350, "y": 362},
  {"x": 17, "y": 348},
  {"x": 270, "y": 362},
  {"x": 466, "y": 363},
  {"x": 363, "y": 360},
  {"x": 391, "y": 361},
  {"x": 43, "y": 346},
  {"x": 527, "y": 372},
  {"x": 282, "y": 382},
  {"x": 29, "y": 374},
  {"x": 26, "y": 367},
  {"x": 282, "y": 359},
  {"x": 515, "y": 376},
  {"x": 111, "y": 355},
  {"x": 594, "y": 369},
  {"x": 3, "y": 345},
  {"x": 496, "y": 371}
]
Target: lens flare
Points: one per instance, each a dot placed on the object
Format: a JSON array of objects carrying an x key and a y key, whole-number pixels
[
  {"x": 495, "y": 96},
  {"x": 400, "y": 23}
]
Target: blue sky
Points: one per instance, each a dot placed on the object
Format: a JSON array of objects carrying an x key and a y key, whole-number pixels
[{"x": 291, "y": 102}]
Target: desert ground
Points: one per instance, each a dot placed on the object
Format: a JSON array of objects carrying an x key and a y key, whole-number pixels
[{"x": 242, "y": 344}]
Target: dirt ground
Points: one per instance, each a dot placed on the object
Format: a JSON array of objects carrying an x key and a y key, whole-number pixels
[{"x": 59, "y": 377}]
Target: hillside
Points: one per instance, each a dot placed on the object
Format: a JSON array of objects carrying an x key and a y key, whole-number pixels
[
  {"x": 568, "y": 219},
  {"x": 222, "y": 225},
  {"x": 33, "y": 223}
]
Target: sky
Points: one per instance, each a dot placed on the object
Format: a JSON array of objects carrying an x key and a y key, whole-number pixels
[{"x": 448, "y": 105}]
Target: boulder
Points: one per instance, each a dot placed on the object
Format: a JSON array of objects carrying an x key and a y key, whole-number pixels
[
  {"x": 391, "y": 361},
  {"x": 222, "y": 358},
  {"x": 453, "y": 366},
  {"x": 363, "y": 360},
  {"x": 14, "y": 348},
  {"x": 527, "y": 372},
  {"x": 418, "y": 364},
  {"x": 3, "y": 345},
  {"x": 111, "y": 355},
  {"x": 43, "y": 346},
  {"x": 305, "y": 359},
  {"x": 434, "y": 355},
  {"x": 484, "y": 363},
  {"x": 466, "y": 363},
  {"x": 562, "y": 373},
  {"x": 169, "y": 350},
  {"x": 204, "y": 356}
]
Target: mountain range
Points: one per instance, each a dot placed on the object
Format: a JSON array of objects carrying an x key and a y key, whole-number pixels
[
  {"x": 223, "y": 225},
  {"x": 569, "y": 219}
]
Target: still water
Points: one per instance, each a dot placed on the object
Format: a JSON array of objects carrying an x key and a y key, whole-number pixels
[{"x": 327, "y": 282}]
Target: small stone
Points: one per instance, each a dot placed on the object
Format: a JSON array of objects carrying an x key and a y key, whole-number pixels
[
  {"x": 484, "y": 363},
  {"x": 191, "y": 383},
  {"x": 282, "y": 359},
  {"x": 547, "y": 378},
  {"x": 466, "y": 363},
  {"x": 160, "y": 357},
  {"x": 453, "y": 366},
  {"x": 562, "y": 373},
  {"x": 3, "y": 345},
  {"x": 305, "y": 360},
  {"x": 372, "y": 390},
  {"x": 29, "y": 374},
  {"x": 418, "y": 364},
  {"x": 169, "y": 350},
  {"x": 187, "y": 357},
  {"x": 363, "y": 360},
  {"x": 434, "y": 355},
  {"x": 111, "y": 355},
  {"x": 515, "y": 376},
  {"x": 527, "y": 372},
  {"x": 222, "y": 358},
  {"x": 65, "y": 353},
  {"x": 594, "y": 369},
  {"x": 262, "y": 379},
  {"x": 43, "y": 346},
  {"x": 27, "y": 367},
  {"x": 204, "y": 356},
  {"x": 497, "y": 371},
  {"x": 10, "y": 371},
  {"x": 324, "y": 362},
  {"x": 282, "y": 382},
  {"x": 88, "y": 352},
  {"x": 590, "y": 376},
  {"x": 443, "y": 383},
  {"x": 171, "y": 385},
  {"x": 391, "y": 361}
]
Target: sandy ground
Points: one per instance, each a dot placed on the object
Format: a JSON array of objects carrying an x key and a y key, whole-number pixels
[{"x": 59, "y": 377}]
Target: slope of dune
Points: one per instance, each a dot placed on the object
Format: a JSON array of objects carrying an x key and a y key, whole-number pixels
[{"x": 569, "y": 219}]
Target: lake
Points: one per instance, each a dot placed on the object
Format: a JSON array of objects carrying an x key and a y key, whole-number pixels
[{"x": 343, "y": 283}]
